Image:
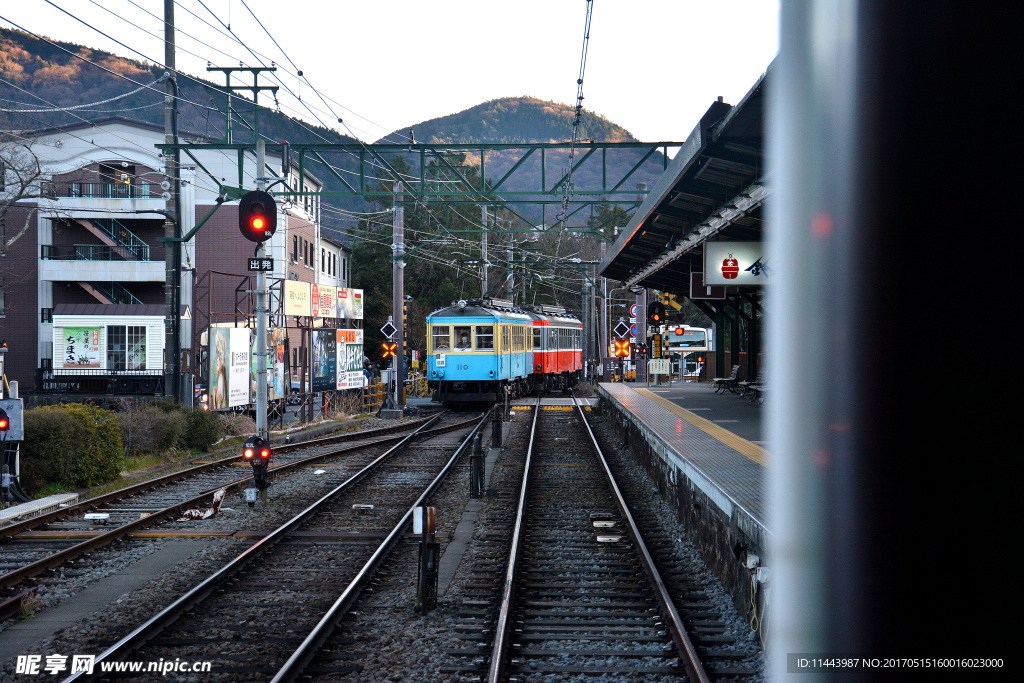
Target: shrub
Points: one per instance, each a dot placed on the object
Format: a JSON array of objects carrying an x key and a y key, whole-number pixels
[
  {"x": 203, "y": 428},
  {"x": 75, "y": 445},
  {"x": 236, "y": 424}
]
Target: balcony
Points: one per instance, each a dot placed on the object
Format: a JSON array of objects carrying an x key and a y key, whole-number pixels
[
  {"x": 102, "y": 190},
  {"x": 93, "y": 252}
]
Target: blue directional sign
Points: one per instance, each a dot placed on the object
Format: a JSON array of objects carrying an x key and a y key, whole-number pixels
[{"x": 632, "y": 330}]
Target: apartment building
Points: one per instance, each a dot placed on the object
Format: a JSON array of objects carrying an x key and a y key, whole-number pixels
[{"x": 82, "y": 291}]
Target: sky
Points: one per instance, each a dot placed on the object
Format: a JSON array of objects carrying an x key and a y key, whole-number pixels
[{"x": 653, "y": 66}]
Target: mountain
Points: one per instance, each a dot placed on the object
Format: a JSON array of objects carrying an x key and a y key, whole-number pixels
[
  {"x": 42, "y": 74},
  {"x": 519, "y": 120}
]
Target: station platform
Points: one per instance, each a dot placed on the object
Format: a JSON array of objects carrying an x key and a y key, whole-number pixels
[{"x": 708, "y": 455}]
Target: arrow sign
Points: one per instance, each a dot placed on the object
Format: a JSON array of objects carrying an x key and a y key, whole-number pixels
[{"x": 388, "y": 330}]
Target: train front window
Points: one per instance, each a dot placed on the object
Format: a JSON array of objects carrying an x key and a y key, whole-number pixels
[
  {"x": 442, "y": 338},
  {"x": 485, "y": 336},
  {"x": 462, "y": 339}
]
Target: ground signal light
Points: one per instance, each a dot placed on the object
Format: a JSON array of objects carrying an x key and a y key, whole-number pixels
[
  {"x": 257, "y": 216},
  {"x": 679, "y": 332},
  {"x": 257, "y": 452},
  {"x": 388, "y": 350},
  {"x": 5, "y": 421},
  {"x": 621, "y": 348}
]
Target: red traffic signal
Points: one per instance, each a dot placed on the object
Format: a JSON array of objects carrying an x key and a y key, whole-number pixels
[
  {"x": 257, "y": 216},
  {"x": 388, "y": 350},
  {"x": 679, "y": 332},
  {"x": 5, "y": 421},
  {"x": 621, "y": 348},
  {"x": 656, "y": 312}
]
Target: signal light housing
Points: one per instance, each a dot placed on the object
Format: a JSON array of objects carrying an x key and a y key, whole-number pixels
[
  {"x": 257, "y": 216},
  {"x": 621, "y": 348},
  {"x": 656, "y": 313},
  {"x": 5, "y": 421},
  {"x": 388, "y": 350}
]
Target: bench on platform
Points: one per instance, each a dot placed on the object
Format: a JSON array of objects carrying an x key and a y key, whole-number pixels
[
  {"x": 723, "y": 384},
  {"x": 750, "y": 388}
]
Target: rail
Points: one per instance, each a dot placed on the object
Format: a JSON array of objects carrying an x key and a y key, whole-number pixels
[
  {"x": 172, "y": 612},
  {"x": 303, "y": 655}
]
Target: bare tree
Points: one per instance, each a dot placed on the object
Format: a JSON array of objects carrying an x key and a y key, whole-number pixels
[{"x": 21, "y": 176}]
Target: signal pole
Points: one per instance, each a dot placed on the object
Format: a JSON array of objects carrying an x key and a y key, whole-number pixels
[
  {"x": 483, "y": 251},
  {"x": 261, "y": 310},
  {"x": 398, "y": 293}
]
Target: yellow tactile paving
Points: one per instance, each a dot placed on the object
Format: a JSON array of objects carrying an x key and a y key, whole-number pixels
[{"x": 738, "y": 444}]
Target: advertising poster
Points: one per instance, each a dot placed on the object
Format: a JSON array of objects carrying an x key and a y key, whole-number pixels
[
  {"x": 239, "y": 368},
  {"x": 218, "y": 373},
  {"x": 82, "y": 348},
  {"x": 325, "y": 360},
  {"x": 297, "y": 298},
  {"x": 350, "y": 304},
  {"x": 350, "y": 359}
]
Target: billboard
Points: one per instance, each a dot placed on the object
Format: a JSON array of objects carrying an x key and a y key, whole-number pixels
[
  {"x": 350, "y": 304},
  {"x": 322, "y": 301},
  {"x": 325, "y": 360},
  {"x": 735, "y": 263},
  {"x": 230, "y": 367},
  {"x": 297, "y": 298},
  {"x": 350, "y": 359}
]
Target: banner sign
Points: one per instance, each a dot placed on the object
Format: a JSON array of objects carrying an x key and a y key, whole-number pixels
[
  {"x": 350, "y": 359},
  {"x": 325, "y": 301},
  {"x": 735, "y": 263},
  {"x": 81, "y": 348}
]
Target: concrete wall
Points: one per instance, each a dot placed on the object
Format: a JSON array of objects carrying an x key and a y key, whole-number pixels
[{"x": 722, "y": 532}]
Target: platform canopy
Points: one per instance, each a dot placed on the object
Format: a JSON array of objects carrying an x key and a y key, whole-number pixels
[{"x": 713, "y": 189}]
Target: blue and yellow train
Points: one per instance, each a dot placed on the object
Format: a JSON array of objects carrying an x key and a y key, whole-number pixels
[{"x": 482, "y": 350}]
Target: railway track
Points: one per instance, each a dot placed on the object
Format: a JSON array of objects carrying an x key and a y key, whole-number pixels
[
  {"x": 581, "y": 595},
  {"x": 32, "y": 546},
  {"x": 269, "y": 610}
]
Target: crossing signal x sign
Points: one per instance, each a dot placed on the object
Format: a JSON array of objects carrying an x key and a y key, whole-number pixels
[
  {"x": 388, "y": 350},
  {"x": 621, "y": 348}
]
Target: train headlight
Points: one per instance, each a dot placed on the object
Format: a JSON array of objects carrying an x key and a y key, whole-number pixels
[{"x": 462, "y": 303}]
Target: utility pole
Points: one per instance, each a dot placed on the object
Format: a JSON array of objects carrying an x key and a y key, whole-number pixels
[
  {"x": 585, "y": 336},
  {"x": 398, "y": 293},
  {"x": 483, "y": 251},
  {"x": 172, "y": 252},
  {"x": 261, "y": 311}
]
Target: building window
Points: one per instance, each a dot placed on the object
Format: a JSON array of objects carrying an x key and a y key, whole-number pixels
[
  {"x": 126, "y": 347},
  {"x": 295, "y": 249},
  {"x": 323, "y": 260},
  {"x": 46, "y": 315}
]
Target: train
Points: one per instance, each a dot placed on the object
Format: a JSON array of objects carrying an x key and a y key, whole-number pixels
[{"x": 485, "y": 350}]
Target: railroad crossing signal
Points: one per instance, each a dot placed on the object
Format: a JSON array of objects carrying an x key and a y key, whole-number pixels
[
  {"x": 622, "y": 348},
  {"x": 257, "y": 216},
  {"x": 388, "y": 330},
  {"x": 621, "y": 330},
  {"x": 388, "y": 350}
]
